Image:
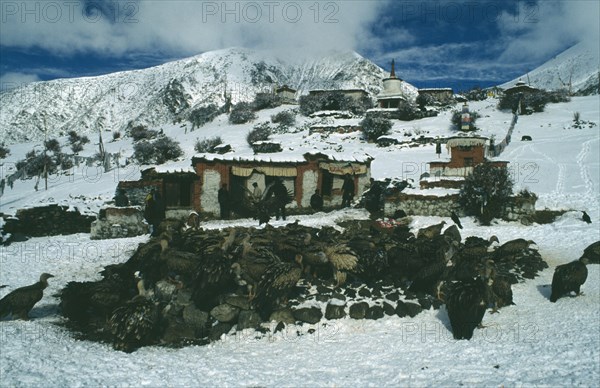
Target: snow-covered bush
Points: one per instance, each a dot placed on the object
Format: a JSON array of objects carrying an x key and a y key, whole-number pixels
[
  {"x": 140, "y": 132},
  {"x": 77, "y": 141},
  {"x": 261, "y": 132},
  {"x": 116, "y": 135},
  {"x": 205, "y": 114},
  {"x": 475, "y": 94},
  {"x": 334, "y": 100},
  {"x": 158, "y": 151},
  {"x": 532, "y": 102},
  {"x": 241, "y": 113},
  {"x": 486, "y": 191},
  {"x": 4, "y": 151},
  {"x": 175, "y": 97},
  {"x": 373, "y": 127},
  {"x": 424, "y": 100},
  {"x": 208, "y": 145},
  {"x": 286, "y": 118},
  {"x": 408, "y": 111}
]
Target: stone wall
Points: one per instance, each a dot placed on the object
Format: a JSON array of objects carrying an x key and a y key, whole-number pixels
[
  {"x": 48, "y": 220},
  {"x": 517, "y": 208},
  {"x": 119, "y": 222}
]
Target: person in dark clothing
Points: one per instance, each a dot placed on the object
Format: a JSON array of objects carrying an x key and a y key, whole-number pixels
[
  {"x": 347, "y": 190},
  {"x": 373, "y": 198},
  {"x": 281, "y": 196},
  {"x": 158, "y": 209},
  {"x": 223, "y": 197},
  {"x": 121, "y": 199},
  {"x": 316, "y": 201}
]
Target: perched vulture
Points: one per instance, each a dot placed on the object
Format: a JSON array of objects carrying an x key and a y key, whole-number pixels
[
  {"x": 592, "y": 253},
  {"x": 342, "y": 260},
  {"x": 20, "y": 301},
  {"x": 512, "y": 247},
  {"x": 136, "y": 323},
  {"x": 453, "y": 234},
  {"x": 431, "y": 231},
  {"x": 276, "y": 283},
  {"x": 569, "y": 277}
]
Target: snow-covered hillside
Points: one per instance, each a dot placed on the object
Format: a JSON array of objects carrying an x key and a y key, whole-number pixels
[
  {"x": 576, "y": 68},
  {"x": 159, "y": 95}
]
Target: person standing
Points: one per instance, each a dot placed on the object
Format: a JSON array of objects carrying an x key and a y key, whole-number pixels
[
  {"x": 281, "y": 197},
  {"x": 256, "y": 193},
  {"x": 347, "y": 190},
  {"x": 223, "y": 197},
  {"x": 149, "y": 209},
  {"x": 316, "y": 201}
]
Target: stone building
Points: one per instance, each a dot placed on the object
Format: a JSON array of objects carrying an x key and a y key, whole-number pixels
[
  {"x": 287, "y": 94},
  {"x": 442, "y": 95},
  {"x": 195, "y": 188}
]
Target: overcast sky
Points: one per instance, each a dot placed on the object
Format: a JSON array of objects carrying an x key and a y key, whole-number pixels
[{"x": 434, "y": 43}]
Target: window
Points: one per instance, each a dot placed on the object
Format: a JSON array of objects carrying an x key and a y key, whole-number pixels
[{"x": 178, "y": 193}]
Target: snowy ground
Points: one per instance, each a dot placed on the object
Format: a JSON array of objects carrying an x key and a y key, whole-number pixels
[{"x": 534, "y": 343}]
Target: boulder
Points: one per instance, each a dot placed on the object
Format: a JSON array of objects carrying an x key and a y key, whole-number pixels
[
  {"x": 225, "y": 313},
  {"x": 404, "y": 309},
  {"x": 238, "y": 301},
  {"x": 335, "y": 309},
  {"x": 374, "y": 312},
  {"x": 358, "y": 310},
  {"x": 248, "y": 319},
  {"x": 310, "y": 315},
  {"x": 388, "y": 309},
  {"x": 195, "y": 317},
  {"x": 284, "y": 315},
  {"x": 218, "y": 330}
]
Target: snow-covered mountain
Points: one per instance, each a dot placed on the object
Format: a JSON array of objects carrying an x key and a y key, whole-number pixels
[
  {"x": 161, "y": 94},
  {"x": 576, "y": 68}
]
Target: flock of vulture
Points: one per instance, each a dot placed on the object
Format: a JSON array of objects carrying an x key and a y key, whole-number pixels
[{"x": 266, "y": 267}]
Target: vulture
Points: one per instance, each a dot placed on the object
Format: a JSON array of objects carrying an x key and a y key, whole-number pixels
[
  {"x": 512, "y": 247},
  {"x": 275, "y": 285},
  {"x": 136, "y": 323},
  {"x": 592, "y": 253},
  {"x": 586, "y": 217},
  {"x": 342, "y": 260},
  {"x": 90, "y": 304},
  {"x": 569, "y": 277},
  {"x": 456, "y": 220},
  {"x": 20, "y": 301},
  {"x": 467, "y": 301},
  {"x": 453, "y": 234},
  {"x": 250, "y": 266},
  {"x": 431, "y": 231}
]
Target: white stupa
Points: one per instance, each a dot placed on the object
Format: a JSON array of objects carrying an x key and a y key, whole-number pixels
[{"x": 392, "y": 92}]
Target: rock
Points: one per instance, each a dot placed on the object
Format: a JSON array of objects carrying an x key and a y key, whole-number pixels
[
  {"x": 358, "y": 310},
  {"x": 376, "y": 294},
  {"x": 310, "y": 315},
  {"x": 322, "y": 298},
  {"x": 164, "y": 290},
  {"x": 195, "y": 317},
  {"x": 225, "y": 313},
  {"x": 425, "y": 303},
  {"x": 388, "y": 309},
  {"x": 404, "y": 309},
  {"x": 394, "y": 296},
  {"x": 239, "y": 301},
  {"x": 350, "y": 293},
  {"x": 364, "y": 292},
  {"x": 284, "y": 315},
  {"x": 374, "y": 312},
  {"x": 218, "y": 330},
  {"x": 177, "y": 331},
  {"x": 248, "y": 319},
  {"x": 184, "y": 297},
  {"x": 324, "y": 290},
  {"x": 335, "y": 309},
  {"x": 339, "y": 296}
]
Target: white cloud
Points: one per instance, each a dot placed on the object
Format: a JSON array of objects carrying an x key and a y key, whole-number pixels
[
  {"x": 15, "y": 80},
  {"x": 540, "y": 30},
  {"x": 188, "y": 27}
]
